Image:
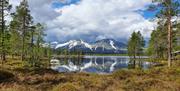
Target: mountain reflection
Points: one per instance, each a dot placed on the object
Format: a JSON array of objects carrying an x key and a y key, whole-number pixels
[{"x": 94, "y": 64}]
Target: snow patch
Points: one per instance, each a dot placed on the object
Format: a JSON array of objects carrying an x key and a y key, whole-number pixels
[
  {"x": 73, "y": 43},
  {"x": 112, "y": 44},
  {"x": 61, "y": 45},
  {"x": 87, "y": 45}
]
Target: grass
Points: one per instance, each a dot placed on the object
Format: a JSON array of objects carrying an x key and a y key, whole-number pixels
[
  {"x": 17, "y": 78},
  {"x": 65, "y": 87}
]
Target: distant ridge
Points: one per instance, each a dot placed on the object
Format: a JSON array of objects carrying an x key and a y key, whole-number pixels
[{"x": 100, "y": 46}]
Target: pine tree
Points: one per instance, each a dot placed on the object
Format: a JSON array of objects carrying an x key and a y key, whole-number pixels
[
  {"x": 15, "y": 40},
  {"x": 167, "y": 9},
  {"x": 136, "y": 44},
  {"x": 132, "y": 45},
  {"x": 158, "y": 43},
  {"x": 140, "y": 44},
  {"x": 4, "y": 7},
  {"x": 22, "y": 21},
  {"x": 36, "y": 48},
  {"x": 176, "y": 44}
]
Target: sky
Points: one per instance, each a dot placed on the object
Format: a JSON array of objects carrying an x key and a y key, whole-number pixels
[{"x": 91, "y": 20}]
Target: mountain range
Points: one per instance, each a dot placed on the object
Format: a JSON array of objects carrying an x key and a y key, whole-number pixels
[{"x": 100, "y": 46}]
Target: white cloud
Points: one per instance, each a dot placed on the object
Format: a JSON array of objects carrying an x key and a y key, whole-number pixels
[{"x": 92, "y": 19}]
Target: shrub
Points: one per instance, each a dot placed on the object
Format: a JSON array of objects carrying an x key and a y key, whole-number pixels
[{"x": 4, "y": 75}]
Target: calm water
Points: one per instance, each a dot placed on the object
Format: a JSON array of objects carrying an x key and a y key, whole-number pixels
[{"x": 97, "y": 64}]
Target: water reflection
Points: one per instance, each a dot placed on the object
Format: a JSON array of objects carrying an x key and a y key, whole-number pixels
[{"x": 94, "y": 64}]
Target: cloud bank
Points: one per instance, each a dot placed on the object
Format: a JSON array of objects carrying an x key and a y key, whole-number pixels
[{"x": 92, "y": 20}]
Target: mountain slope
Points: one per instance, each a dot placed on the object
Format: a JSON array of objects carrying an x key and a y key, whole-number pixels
[
  {"x": 109, "y": 44},
  {"x": 74, "y": 44},
  {"x": 100, "y": 46}
]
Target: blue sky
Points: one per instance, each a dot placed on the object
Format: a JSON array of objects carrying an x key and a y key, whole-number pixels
[
  {"x": 148, "y": 14},
  {"x": 92, "y": 20},
  {"x": 58, "y": 4}
]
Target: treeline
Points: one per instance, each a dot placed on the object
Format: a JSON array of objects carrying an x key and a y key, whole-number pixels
[
  {"x": 158, "y": 43},
  {"x": 166, "y": 38},
  {"x": 67, "y": 52},
  {"x": 21, "y": 37}
]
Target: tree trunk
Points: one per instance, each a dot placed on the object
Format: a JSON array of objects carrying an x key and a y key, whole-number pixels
[
  {"x": 169, "y": 40},
  {"x": 3, "y": 54},
  {"x": 23, "y": 40}
]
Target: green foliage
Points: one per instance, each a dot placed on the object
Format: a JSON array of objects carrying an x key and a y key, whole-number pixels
[
  {"x": 36, "y": 51},
  {"x": 21, "y": 26},
  {"x": 158, "y": 42},
  {"x": 25, "y": 38},
  {"x": 166, "y": 8},
  {"x": 4, "y": 35},
  {"x": 160, "y": 45},
  {"x": 177, "y": 37},
  {"x": 62, "y": 51},
  {"x": 136, "y": 44}
]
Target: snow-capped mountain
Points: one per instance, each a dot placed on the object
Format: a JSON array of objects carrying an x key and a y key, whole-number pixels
[
  {"x": 108, "y": 46},
  {"x": 100, "y": 46},
  {"x": 75, "y": 44}
]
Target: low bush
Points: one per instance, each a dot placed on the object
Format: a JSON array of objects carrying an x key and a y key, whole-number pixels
[{"x": 4, "y": 76}]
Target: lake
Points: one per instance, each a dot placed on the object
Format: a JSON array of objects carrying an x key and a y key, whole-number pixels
[{"x": 98, "y": 64}]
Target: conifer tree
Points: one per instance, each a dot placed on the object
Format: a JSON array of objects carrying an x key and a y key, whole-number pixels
[
  {"x": 158, "y": 43},
  {"x": 22, "y": 22},
  {"x": 36, "y": 48},
  {"x": 136, "y": 44},
  {"x": 4, "y": 7},
  {"x": 167, "y": 9}
]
